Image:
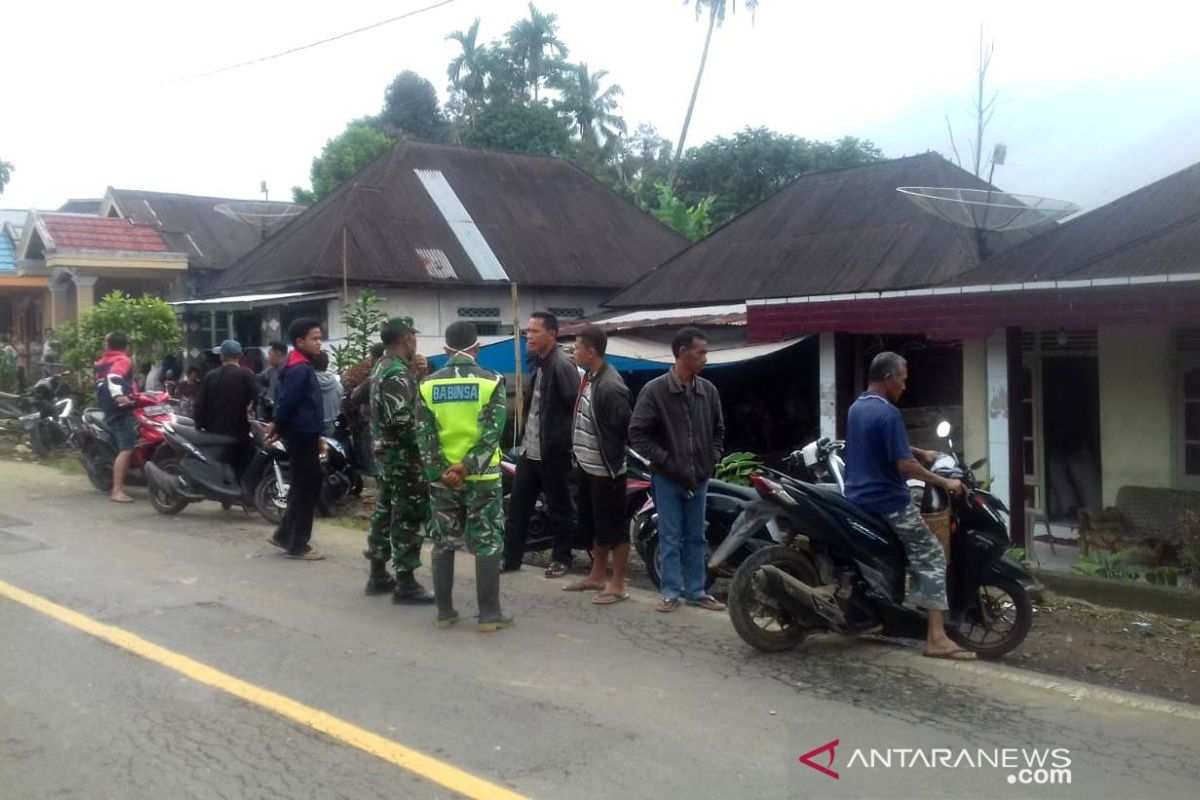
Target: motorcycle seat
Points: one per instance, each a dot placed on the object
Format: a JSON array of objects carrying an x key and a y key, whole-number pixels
[
  {"x": 830, "y": 494},
  {"x": 95, "y": 416},
  {"x": 732, "y": 489},
  {"x": 205, "y": 439}
]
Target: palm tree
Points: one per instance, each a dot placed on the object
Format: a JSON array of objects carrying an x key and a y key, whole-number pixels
[
  {"x": 590, "y": 107},
  {"x": 534, "y": 43},
  {"x": 716, "y": 17},
  {"x": 466, "y": 70}
]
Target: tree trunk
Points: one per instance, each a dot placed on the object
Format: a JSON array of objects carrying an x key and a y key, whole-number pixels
[{"x": 687, "y": 120}]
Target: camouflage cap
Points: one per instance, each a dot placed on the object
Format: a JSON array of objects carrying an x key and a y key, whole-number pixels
[{"x": 399, "y": 326}]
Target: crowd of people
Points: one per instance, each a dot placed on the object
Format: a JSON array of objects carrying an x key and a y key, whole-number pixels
[{"x": 436, "y": 440}]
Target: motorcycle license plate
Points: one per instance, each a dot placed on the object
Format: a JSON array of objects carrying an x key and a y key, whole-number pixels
[{"x": 157, "y": 411}]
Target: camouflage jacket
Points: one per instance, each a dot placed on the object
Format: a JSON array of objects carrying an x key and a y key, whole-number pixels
[
  {"x": 491, "y": 423},
  {"x": 394, "y": 400}
]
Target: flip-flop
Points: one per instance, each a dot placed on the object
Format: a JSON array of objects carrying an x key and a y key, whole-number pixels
[
  {"x": 580, "y": 586},
  {"x": 957, "y": 654},
  {"x": 608, "y": 598},
  {"x": 122, "y": 500}
]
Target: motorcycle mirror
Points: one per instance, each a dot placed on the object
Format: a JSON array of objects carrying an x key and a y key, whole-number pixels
[{"x": 944, "y": 428}]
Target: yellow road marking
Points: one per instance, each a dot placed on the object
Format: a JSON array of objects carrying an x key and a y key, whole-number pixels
[{"x": 416, "y": 762}]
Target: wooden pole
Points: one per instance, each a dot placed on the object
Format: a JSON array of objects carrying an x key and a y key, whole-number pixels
[
  {"x": 345, "y": 269},
  {"x": 518, "y": 367}
]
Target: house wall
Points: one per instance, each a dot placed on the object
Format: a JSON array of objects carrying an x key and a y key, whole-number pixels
[
  {"x": 434, "y": 309},
  {"x": 975, "y": 403},
  {"x": 1137, "y": 384}
]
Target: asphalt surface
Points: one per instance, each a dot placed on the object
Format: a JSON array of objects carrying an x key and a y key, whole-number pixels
[{"x": 575, "y": 701}]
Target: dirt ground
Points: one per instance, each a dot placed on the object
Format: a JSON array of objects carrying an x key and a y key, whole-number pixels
[{"x": 1131, "y": 650}]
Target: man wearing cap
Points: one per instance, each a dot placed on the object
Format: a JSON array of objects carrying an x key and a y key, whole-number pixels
[
  {"x": 402, "y": 504},
  {"x": 460, "y": 420},
  {"x": 222, "y": 404}
]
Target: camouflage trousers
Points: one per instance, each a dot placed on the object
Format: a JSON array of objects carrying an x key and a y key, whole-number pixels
[
  {"x": 926, "y": 559},
  {"x": 474, "y": 513},
  {"x": 401, "y": 508}
]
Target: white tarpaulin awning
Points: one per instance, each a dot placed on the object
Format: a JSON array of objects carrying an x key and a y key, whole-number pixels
[{"x": 635, "y": 348}]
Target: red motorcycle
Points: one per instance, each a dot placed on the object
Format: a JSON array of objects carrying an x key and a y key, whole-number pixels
[{"x": 97, "y": 448}]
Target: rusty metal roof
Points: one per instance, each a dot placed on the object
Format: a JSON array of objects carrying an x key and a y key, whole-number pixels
[
  {"x": 1152, "y": 231},
  {"x": 833, "y": 232},
  {"x": 490, "y": 216}
]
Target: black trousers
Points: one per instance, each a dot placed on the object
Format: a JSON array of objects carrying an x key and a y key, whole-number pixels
[
  {"x": 304, "y": 466},
  {"x": 551, "y": 477}
]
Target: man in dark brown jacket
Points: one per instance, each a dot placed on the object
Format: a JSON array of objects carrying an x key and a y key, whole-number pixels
[{"x": 678, "y": 425}]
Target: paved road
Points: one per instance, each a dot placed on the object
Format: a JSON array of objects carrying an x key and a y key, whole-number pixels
[{"x": 574, "y": 702}]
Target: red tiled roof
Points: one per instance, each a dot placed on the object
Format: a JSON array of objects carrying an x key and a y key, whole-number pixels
[{"x": 101, "y": 233}]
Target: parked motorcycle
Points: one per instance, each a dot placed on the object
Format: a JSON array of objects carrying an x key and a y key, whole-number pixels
[
  {"x": 842, "y": 569},
  {"x": 195, "y": 465},
  {"x": 97, "y": 446},
  {"x": 267, "y": 478},
  {"x": 46, "y": 413},
  {"x": 539, "y": 538}
]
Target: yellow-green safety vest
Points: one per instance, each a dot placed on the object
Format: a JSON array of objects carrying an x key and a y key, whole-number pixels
[{"x": 456, "y": 402}]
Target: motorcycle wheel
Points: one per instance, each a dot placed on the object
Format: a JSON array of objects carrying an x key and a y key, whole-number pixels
[
  {"x": 99, "y": 471},
  {"x": 166, "y": 502},
  {"x": 40, "y": 442},
  {"x": 760, "y": 624},
  {"x": 265, "y": 500},
  {"x": 999, "y": 623},
  {"x": 335, "y": 494}
]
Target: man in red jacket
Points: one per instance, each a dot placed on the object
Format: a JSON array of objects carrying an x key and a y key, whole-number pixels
[{"x": 114, "y": 391}]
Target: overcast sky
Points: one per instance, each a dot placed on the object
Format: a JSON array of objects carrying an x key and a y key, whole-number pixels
[{"x": 1092, "y": 103}]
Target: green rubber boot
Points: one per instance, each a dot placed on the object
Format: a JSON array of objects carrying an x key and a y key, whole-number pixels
[
  {"x": 487, "y": 592},
  {"x": 442, "y": 564}
]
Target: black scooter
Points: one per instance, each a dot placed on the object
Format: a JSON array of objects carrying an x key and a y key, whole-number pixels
[
  {"x": 201, "y": 470},
  {"x": 842, "y": 569}
]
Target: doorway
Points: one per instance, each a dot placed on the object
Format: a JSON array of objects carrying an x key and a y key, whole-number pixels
[{"x": 1071, "y": 435}]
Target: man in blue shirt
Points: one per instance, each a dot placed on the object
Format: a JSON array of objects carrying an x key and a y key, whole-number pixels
[{"x": 879, "y": 460}]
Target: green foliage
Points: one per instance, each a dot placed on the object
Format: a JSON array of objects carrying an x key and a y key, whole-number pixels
[
  {"x": 362, "y": 320},
  {"x": 8, "y": 372},
  {"x": 535, "y": 47},
  {"x": 520, "y": 128},
  {"x": 753, "y": 164},
  {"x": 737, "y": 468},
  {"x": 149, "y": 322},
  {"x": 1111, "y": 565},
  {"x": 691, "y": 222},
  {"x": 6, "y": 171},
  {"x": 590, "y": 108},
  {"x": 1018, "y": 554},
  {"x": 410, "y": 108},
  {"x": 342, "y": 157},
  {"x": 1163, "y": 576}
]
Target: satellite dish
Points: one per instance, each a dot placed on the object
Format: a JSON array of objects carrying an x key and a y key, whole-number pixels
[
  {"x": 987, "y": 209},
  {"x": 262, "y": 214}
]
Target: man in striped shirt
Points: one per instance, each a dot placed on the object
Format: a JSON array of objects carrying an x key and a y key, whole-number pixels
[{"x": 601, "y": 426}]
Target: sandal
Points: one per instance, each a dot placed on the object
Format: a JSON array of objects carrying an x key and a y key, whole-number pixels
[
  {"x": 556, "y": 570},
  {"x": 708, "y": 603},
  {"x": 667, "y": 605},
  {"x": 957, "y": 654},
  {"x": 608, "y": 598}
]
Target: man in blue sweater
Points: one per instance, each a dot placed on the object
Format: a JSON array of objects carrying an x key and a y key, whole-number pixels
[{"x": 299, "y": 419}]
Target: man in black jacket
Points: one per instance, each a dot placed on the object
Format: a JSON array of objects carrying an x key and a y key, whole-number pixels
[
  {"x": 601, "y": 427},
  {"x": 299, "y": 420},
  {"x": 545, "y": 464},
  {"x": 678, "y": 425},
  {"x": 223, "y": 404}
]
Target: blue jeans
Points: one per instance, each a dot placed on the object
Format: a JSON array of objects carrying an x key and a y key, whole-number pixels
[{"x": 680, "y": 538}]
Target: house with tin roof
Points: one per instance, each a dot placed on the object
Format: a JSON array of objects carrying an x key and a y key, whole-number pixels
[{"x": 443, "y": 233}]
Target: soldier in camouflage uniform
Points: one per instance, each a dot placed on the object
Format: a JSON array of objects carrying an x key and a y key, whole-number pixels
[
  {"x": 460, "y": 420},
  {"x": 402, "y": 505}
]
